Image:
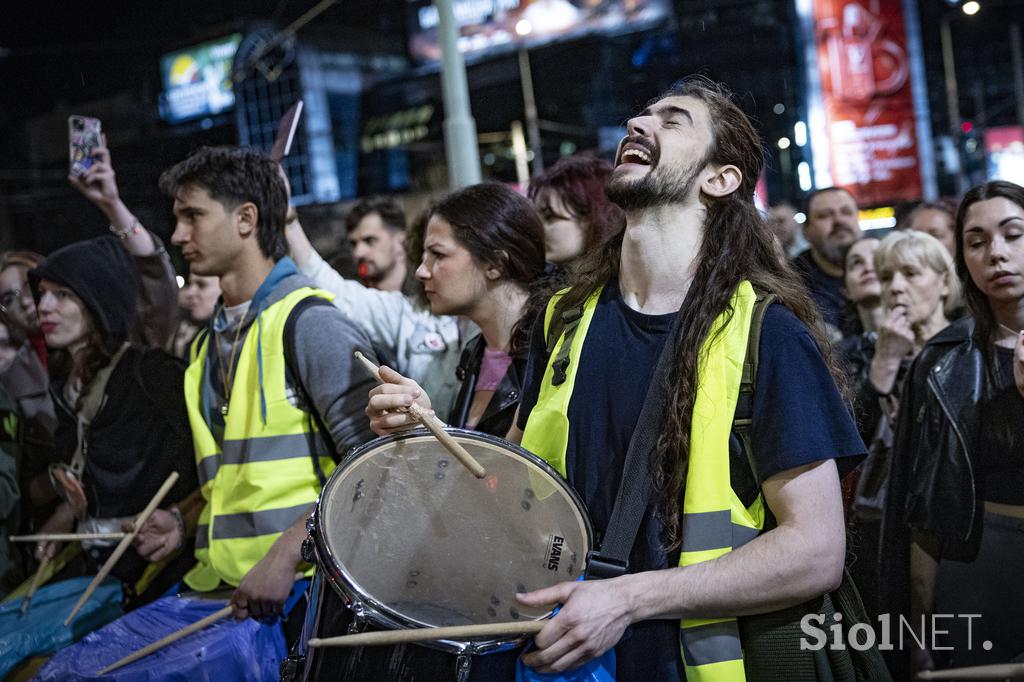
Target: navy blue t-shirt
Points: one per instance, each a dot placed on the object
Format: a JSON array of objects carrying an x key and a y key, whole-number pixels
[{"x": 798, "y": 417}]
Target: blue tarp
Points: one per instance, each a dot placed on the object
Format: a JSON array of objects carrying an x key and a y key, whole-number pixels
[
  {"x": 41, "y": 631},
  {"x": 226, "y": 651}
]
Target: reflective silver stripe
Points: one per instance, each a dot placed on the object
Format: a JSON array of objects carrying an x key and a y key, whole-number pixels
[
  {"x": 712, "y": 643},
  {"x": 741, "y": 535},
  {"x": 202, "y": 536},
  {"x": 706, "y": 530},
  {"x": 713, "y": 530},
  {"x": 208, "y": 469},
  {"x": 252, "y": 524},
  {"x": 265, "y": 449}
]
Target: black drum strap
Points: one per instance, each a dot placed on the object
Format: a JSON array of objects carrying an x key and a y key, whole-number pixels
[{"x": 612, "y": 559}]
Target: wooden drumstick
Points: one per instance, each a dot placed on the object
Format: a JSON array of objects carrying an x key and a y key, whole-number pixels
[
  {"x": 434, "y": 425},
  {"x": 122, "y": 546},
  {"x": 999, "y": 671},
  {"x": 170, "y": 639},
  {"x": 526, "y": 627},
  {"x": 66, "y": 537},
  {"x": 36, "y": 581},
  {"x": 175, "y": 636}
]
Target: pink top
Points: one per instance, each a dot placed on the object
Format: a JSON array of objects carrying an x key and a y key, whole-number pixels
[{"x": 492, "y": 369}]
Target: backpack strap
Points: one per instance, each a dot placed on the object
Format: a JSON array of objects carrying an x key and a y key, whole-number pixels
[
  {"x": 311, "y": 412},
  {"x": 743, "y": 418},
  {"x": 563, "y": 321}
]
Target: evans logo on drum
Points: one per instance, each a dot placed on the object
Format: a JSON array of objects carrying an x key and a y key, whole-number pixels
[{"x": 555, "y": 552}]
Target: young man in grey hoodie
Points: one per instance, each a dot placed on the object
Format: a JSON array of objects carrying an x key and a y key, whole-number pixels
[{"x": 273, "y": 392}]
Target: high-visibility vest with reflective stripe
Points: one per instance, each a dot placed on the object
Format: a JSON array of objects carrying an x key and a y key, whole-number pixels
[
  {"x": 263, "y": 478},
  {"x": 714, "y": 520}
]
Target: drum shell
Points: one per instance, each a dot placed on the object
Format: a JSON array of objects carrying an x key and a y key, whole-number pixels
[{"x": 369, "y": 611}]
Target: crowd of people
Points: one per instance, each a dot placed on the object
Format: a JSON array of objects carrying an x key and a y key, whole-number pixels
[{"x": 808, "y": 422}]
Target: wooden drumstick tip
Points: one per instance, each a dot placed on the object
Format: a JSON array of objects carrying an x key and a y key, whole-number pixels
[
  {"x": 36, "y": 580},
  {"x": 372, "y": 368}
]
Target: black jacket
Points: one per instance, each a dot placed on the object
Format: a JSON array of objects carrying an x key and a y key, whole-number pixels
[
  {"x": 932, "y": 483},
  {"x": 500, "y": 413},
  {"x": 139, "y": 436}
]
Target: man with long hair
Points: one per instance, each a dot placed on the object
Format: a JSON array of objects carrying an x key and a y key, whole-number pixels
[{"x": 723, "y": 536}]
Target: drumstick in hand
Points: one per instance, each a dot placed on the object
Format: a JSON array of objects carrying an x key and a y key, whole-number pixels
[
  {"x": 36, "y": 580},
  {"x": 384, "y": 637},
  {"x": 170, "y": 639},
  {"x": 122, "y": 546},
  {"x": 65, "y": 537},
  {"x": 434, "y": 425},
  {"x": 176, "y": 635}
]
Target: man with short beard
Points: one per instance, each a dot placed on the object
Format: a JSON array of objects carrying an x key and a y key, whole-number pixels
[
  {"x": 681, "y": 278},
  {"x": 830, "y": 228}
]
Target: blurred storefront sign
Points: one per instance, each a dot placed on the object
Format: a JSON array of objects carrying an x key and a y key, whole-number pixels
[
  {"x": 1004, "y": 147},
  {"x": 197, "y": 80},
  {"x": 869, "y": 122},
  {"x": 490, "y": 26}
]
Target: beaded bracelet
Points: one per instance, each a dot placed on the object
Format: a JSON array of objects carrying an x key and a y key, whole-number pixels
[{"x": 132, "y": 229}]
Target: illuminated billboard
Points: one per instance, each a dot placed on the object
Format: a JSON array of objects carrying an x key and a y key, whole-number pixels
[
  {"x": 487, "y": 26},
  {"x": 863, "y": 129},
  {"x": 197, "y": 80}
]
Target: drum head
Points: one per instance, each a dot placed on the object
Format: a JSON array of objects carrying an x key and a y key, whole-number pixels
[{"x": 411, "y": 532}]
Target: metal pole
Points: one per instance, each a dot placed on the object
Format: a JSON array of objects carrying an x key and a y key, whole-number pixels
[
  {"x": 919, "y": 93},
  {"x": 1018, "y": 71},
  {"x": 530, "y": 112},
  {"x": 952, "y": 97},
  {"x": 460, "y": 143},
  {"x": 519, "y": 152}
]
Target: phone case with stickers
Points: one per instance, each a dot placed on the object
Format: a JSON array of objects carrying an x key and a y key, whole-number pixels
[{"x": 83, "y": 137}]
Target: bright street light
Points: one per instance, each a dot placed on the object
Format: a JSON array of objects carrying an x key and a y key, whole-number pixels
[
  {"x": 971, "y": 8},
  {"x": 783, "y": 143}
]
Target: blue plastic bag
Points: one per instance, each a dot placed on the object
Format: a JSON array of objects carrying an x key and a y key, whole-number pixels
[
  {"x": 41, "y": 631},
  {"x": 227, "y": 650},
  {"x": 601, "y": 669}
]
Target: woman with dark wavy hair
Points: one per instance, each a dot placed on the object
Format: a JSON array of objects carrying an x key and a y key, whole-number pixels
[
  {"x": 483, "y": 258},
  {"x": 578, "y": 216},
  {"x": 953, "y": 532}
]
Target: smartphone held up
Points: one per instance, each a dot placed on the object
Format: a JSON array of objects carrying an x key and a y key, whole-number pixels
[{"x": 84, "y": 136}]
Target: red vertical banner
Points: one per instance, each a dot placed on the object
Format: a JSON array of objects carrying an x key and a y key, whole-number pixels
[{"x": 869, "y": 109}]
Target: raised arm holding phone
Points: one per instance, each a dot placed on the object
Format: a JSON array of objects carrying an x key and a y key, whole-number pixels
[{"x": 157, "y": 290}]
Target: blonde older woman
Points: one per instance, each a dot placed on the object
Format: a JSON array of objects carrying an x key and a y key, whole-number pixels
[{"x": 919, "y": 289}]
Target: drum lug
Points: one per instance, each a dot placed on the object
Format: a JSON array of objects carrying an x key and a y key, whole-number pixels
[
  {"x": 308, "y": 551},
  {"x": 292, "y": 668},
  {"x": 463, "y": 664},
  {"x": 358, "y": 622}
]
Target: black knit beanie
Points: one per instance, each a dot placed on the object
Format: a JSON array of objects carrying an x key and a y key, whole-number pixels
[{"x": 101, "y": 273}]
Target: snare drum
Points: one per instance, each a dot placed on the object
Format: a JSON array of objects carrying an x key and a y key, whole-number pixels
[{"x": 407, "y": 537}]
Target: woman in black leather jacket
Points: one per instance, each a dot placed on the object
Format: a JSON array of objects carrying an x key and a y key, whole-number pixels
[{"x": 953, "y": 533}]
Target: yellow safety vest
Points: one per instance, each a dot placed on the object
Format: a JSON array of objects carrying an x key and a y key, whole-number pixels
[
  {"x": 263, "y": 479},
  {"x": 714, "y": 521}
]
